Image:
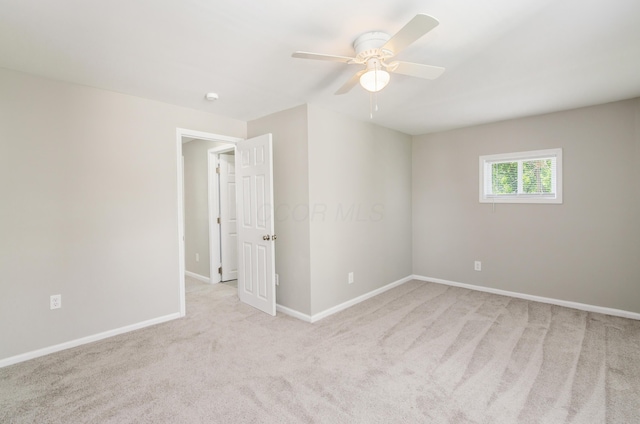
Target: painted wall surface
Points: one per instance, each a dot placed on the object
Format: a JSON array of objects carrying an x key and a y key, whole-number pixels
[
  {"x": 360, "y": 207},
  {"x": 88, "y": 184},
  {"x": 585, "y": 250},
  {"x": 196, "y": 198},
  {"x": 291, "y": 197}
]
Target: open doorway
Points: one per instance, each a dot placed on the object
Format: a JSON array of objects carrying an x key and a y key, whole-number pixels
[
  {"x": 194, "y": 209},
  {"x": 223, "y": 240},
  {"x": 255, "y": 212}
]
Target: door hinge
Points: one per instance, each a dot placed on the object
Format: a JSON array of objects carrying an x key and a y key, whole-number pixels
[
  {"x": 218, "y": 170},
  {"x": 218, "y": 220},
  {"x": 220, "y": 270}
]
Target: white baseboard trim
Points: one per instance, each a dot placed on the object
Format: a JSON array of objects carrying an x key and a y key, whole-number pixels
[
  {"x": 342, "y": 306},
  {"x": 84, "y": 340},
  {"x": 197, "y": 276},
  {"x": 293, "y": 313},
  {"x": 362, "y": 298},
  {"x": 566, "y": 303}
]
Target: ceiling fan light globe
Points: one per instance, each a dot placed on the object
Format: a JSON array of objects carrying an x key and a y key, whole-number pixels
[{"x": 374, "y": 80}]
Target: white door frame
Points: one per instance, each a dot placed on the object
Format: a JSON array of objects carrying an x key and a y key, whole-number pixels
[
  {"x": 215, "y": 256},
  {"x": 181, "y": 134}
]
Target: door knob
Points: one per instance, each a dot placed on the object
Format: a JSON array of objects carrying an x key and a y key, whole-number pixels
[
  {"x": 267, "y": 237},
  {"x": 273, "y": 237}
]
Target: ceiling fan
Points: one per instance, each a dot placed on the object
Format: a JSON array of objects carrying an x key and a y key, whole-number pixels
[{"x": 374, "y": 49}]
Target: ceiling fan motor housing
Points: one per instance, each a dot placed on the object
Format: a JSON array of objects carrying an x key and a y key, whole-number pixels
[{"x": 368, "y": 45}]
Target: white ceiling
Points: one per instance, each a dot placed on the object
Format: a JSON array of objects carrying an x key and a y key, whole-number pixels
[{"x": 503, "y": 58}]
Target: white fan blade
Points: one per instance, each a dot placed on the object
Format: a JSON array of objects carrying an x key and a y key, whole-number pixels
[
  {"x": 351, "y": 83},
  {"x": 319, "y": 56},
  {"x": 416, "y": 70},
  {"x": 416, "y": 28}
]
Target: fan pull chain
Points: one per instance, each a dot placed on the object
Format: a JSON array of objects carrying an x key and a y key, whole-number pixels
[
  {"x": 373, "y": 104},
  {"x": 375, "y": 94},
  {"x": 373, "y": 97}
]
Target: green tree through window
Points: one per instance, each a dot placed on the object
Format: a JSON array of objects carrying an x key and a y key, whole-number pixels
[
  {"x": 536, "y": 176},
  {"x": 504, "y": 177}
]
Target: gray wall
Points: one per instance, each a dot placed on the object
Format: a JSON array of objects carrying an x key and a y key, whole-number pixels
[
  {"x": 196, "y": 199},
  {"x": 360, "y": 202},
  {"x": 342, "y": 192},
  {"x": 291, "y": 197},
  {"x": 88, "y": 181},
  {"x": 586, "y": 250}
]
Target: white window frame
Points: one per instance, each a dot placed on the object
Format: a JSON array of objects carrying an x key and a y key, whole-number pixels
[{"x": 486, "y": 161}]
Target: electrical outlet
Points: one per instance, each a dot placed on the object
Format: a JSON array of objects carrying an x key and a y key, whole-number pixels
[
  {"x": 350, "y": 278},
  {"x": 277, "y": 280},
  {"x": 55, "y": 301},
  {"x": 197, "y": 257},
  {"x": 477, "y": 265}
]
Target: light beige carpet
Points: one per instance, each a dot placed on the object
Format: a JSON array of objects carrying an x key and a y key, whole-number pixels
[{"x": 420, "y": 353}]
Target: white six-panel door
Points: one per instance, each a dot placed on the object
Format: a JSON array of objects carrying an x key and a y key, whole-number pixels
[
  {"x": 228, "y": 224},
  {"x": 256, "y": 259}
]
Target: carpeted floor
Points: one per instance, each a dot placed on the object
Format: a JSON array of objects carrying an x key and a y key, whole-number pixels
[{"x": 420, "y": 353}]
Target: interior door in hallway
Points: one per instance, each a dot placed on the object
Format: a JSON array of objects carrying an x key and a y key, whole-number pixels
[
  {"x": 255, "y": 223},
  {"x": 228, "y": 223}
]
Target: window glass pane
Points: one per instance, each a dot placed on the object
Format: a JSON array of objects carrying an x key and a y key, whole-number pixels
[
  {"x": 521, "y": 177},
  {"x": 504, "y": 177},
  {"x": 536, "y": 176}
]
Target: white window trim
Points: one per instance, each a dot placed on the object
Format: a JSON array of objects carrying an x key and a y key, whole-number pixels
[{"x": 486, "y": 160}]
